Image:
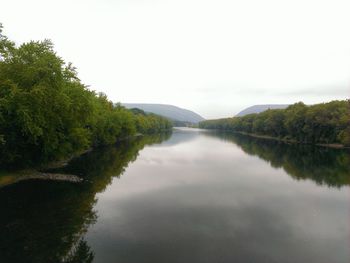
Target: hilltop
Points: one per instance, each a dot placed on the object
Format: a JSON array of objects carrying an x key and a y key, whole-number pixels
[
  {"x": 169, "y": 111},
  {"x": 261, "y": 108}
]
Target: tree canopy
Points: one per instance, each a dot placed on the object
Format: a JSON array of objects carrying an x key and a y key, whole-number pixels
[
  {"x": 320, "y": 123},
  {"x": 47, "y": 113}
]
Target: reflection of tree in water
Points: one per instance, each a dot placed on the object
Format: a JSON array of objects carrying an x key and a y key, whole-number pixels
[
  {"x": 45, "y": 221},
  {"x": 80, "y": 253},
  {"x": 320, "y": 164},
  {"x": 100, "y": 166}
]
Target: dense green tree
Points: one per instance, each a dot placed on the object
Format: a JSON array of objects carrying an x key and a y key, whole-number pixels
[
  {"x": 319, "y": 123},
  {"x": 46, "y": 113}
]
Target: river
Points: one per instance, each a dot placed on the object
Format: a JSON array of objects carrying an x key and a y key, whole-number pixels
[{"x": 189, "y": 196}]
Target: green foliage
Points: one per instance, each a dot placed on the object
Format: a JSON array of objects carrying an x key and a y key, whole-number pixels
[
  {"x": 319, "y": 123},
  {"x": 46, "y": 113},
  {"x": 150, "y": 123}
]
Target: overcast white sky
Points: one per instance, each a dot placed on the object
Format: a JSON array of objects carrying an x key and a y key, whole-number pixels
[{"x": 214, "y": 57}]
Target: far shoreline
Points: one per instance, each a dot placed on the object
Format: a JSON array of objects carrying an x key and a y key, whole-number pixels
[{"x": 267, "y": 137}]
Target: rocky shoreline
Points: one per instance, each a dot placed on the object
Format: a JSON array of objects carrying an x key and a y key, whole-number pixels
[{"x": 19, "y": 176}]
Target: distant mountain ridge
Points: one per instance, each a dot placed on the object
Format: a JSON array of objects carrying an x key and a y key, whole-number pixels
[
  {"x": 261, "y": 108},
  {"x": 169, "y": 111}
]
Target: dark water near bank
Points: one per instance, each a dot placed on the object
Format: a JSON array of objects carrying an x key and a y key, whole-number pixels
[{"x": 193, "y": 196}]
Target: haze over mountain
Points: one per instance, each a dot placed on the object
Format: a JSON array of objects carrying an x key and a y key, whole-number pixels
[
  {"x": 261, "y": 108},
  {"x": 170, "y": 111}
]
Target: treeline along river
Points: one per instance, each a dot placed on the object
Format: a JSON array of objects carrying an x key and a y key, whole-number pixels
[
  {"x": 323, "y": 123},
  {"x": 190, "y": 196}
]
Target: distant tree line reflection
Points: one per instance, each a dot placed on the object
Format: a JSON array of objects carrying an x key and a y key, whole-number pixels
[{"x": 323, "y": 165}]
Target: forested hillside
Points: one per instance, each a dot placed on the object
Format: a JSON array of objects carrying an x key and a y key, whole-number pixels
[
  {"x": 47, "y": 113},
  {"x": 320, "y": 123},
  {"x": 260, "y": 108},
  {"x": 169, "y": 111}
]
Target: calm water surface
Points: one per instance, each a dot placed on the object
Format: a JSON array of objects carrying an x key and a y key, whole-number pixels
[{"x": 192, "y": 196}]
